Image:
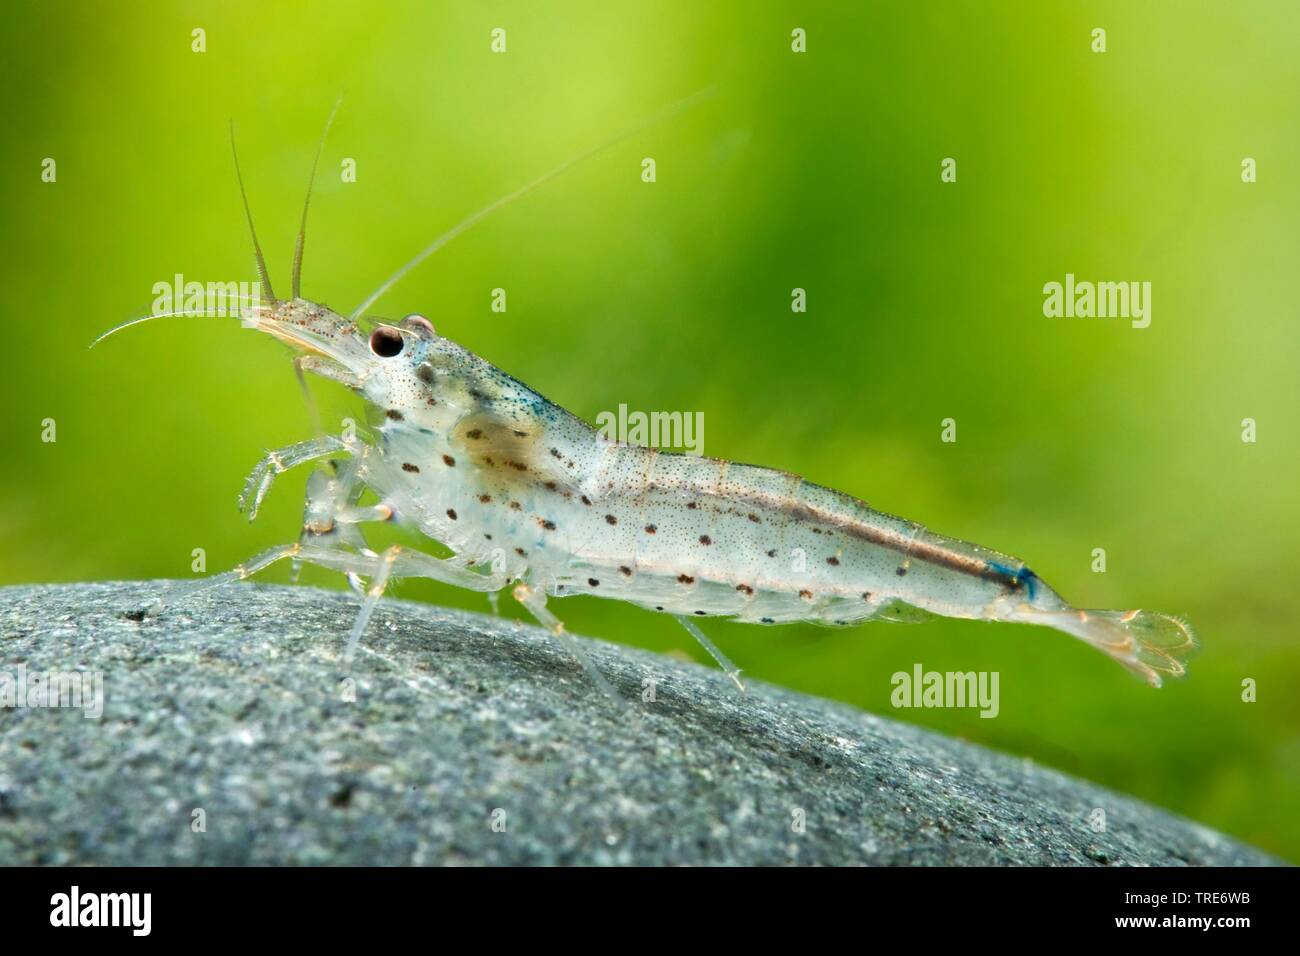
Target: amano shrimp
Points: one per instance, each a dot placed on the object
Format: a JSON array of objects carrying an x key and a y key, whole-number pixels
[{"x": 530, "y": 498}]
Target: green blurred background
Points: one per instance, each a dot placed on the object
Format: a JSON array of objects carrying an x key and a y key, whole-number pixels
[{"x": 818, "y": 171}]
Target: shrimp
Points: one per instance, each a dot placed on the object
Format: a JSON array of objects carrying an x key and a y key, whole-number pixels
[{"x": 528, "y": 497}]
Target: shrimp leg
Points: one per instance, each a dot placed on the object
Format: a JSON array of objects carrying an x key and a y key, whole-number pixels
[
  {"x": 534, "y": 599},
  {"x": 276, "y": 462},
  {"x": 335, "y": 558},
  {"x": 397, "y": 561},
  {"x": 330, "y": 517},
  {"x": 715, "y": 652},
  {"x": 404, "y": 562}
]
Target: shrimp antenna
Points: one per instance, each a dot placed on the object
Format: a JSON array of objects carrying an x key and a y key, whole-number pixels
[
  {"x": 262, "y": 274},
  {"x": 492, "y": 207},
  {"x": 313, "y": 411},
  {"x": 306, "y": 203},
  {"x": 193, "y": 313}
]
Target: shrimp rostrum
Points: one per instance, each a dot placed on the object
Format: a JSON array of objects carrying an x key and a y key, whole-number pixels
[{"x": 530, "y": 498}]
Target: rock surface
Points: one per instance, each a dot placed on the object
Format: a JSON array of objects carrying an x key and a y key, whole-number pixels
[{"x": 475, "y": 740}]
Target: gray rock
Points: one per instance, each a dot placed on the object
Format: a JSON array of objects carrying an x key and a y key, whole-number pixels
[{"x": 235, "y": 703}]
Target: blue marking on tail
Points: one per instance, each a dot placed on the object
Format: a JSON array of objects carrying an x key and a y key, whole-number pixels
[
  {"x": 1029, "y": 579},
  {"x": 1022, "y": 575}
]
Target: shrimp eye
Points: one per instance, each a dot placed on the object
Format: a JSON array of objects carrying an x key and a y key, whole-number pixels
[
  {"x": 418, "y": 322},
  {"x": 386, "y": 342}
]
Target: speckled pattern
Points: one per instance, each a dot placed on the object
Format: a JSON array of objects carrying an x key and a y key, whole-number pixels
[{"x": 234, "y": 704}]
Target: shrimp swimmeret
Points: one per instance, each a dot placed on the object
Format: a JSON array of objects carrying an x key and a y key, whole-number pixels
[{"x": 529, "y": 497}]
